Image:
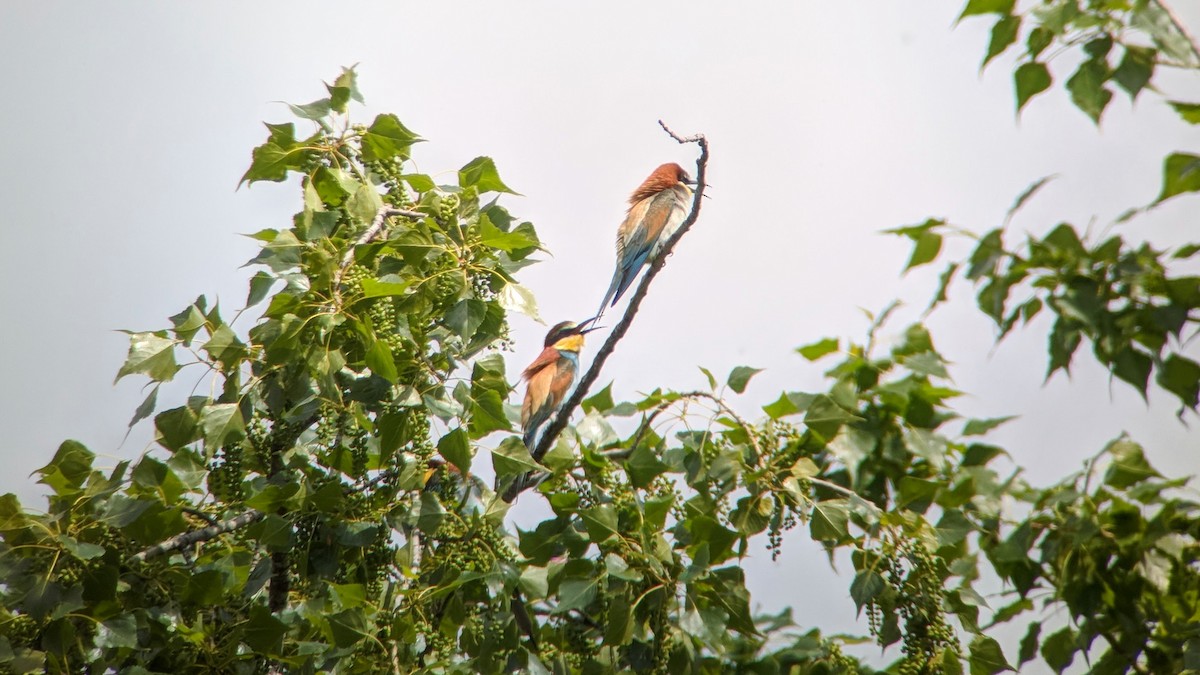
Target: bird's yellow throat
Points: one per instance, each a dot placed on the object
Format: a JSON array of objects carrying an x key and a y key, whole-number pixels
[{"x": 571, "y": 343}]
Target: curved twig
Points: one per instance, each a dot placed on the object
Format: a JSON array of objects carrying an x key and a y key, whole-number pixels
[
  {"x": 722, "y": 406},
  {"x": 564, "y": 414},
  {"x": 197, "y": 536}
]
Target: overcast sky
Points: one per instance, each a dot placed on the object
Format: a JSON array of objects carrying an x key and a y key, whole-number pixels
[{"x": 128, "y": 126}]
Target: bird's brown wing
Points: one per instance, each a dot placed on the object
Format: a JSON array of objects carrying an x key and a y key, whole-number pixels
[
  {"x": 539, "y": 376},
  {"x": 548, "y": 356},
  {"x": 647, "y": 219}
]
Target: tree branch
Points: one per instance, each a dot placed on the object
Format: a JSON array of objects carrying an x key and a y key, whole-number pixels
[
  {"x": 198, "y": 536},
  {"x": 564, "y": 414},
  {"x": 688, "y": 396},
  {"x": 372, "y": 233}
]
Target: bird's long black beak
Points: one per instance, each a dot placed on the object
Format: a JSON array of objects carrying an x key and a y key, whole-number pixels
[{"x": 584, "y": 327}]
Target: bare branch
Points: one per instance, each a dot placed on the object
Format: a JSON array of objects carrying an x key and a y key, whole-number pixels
[
  {"x": 564, "y": 414},
  {"x": 198, "y": 536}
]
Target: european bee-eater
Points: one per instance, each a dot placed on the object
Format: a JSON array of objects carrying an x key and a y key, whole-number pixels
[
  {"x": 656, "y": 209},
  {"x": 550, "y": 377}
]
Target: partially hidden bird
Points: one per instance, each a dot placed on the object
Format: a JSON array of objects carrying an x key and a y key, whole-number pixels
[
  {"x": 551, "y": 375},
  {"x": 656, "y": 210}
]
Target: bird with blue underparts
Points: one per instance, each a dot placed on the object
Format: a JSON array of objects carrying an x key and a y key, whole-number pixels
[
  {"x": 551, "y": 376},
  {"x": 656, "y": 210}
]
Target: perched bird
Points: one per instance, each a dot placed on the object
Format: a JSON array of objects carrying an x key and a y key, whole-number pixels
[
  {"x": 551, "y": 376},
  {"x": 656, "y": 209}
]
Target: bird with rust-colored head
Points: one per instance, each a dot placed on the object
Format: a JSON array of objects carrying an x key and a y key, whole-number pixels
[
  {"x": 656, "y": 209},
  {"x": 550, "y": 377}
]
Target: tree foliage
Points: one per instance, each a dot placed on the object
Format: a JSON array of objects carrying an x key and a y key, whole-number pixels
[{"x": 318, "y": 509}]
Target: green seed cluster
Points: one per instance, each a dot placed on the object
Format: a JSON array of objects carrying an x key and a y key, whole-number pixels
[
  {"x": 21, "y": 630},
  {"x": 377, "y": 560},
  {"x": 226, "y": 474},
  {"x": 387, "y": 172},
  {"x": 448, "y": 206},
  {"x": 470, "y": 544},
  {"x": 782, "y": 520},
  {"x": 917, "y": 577},
  {"x": 353, "y": 278}
]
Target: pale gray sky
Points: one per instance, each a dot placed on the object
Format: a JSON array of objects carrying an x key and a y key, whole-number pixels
[{"x": 129, "y": 125}]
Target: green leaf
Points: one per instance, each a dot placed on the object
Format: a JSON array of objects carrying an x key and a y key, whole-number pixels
[
  {"x": 927, "y": 364},
  {"x": 158, "y": 479},
  {"x": 176, "y": 427},
  {"x": 601, "y": 522},
  {"x": 494, "y": 237},
  {"x": 577, "y": 594},
  {"x": 1181, "y": 173},
  {"x": 465, "y": 317},
  {"x": 986, "y": 657},
  {"x": 512, "y": 457},
  {"x": 1181, "y": 376},
  {"x": 1004, "y": 34},
  {"x": 916, "y": 494},
  {"x": 222, "y": 423},
  {"x": 1064, "y": 340},
  {"x": 152, "y": 354},
  {"x": 1134, "y": 367},
  {"x": 1030, "y": 79},
  {"x": 601, "y": 401},
  {"x": 1039, "y": 38},
  {"x": 455, "y": 447},
  {"x": 146, "y": 408},
  {"x": 1135, "y": 70},
  {"x": 981, "y": 427},
  {"x": 432, "y": 513},
  {"x": 272, "y": 160},
  {"x": 994, "y": 245},
  {"x": 1087, "y": 88},
  {"x": 867, "y": 586},
  {"x": 348, "y": 627},
  {"x": 379, "y": 359},
  {"x": 419, "y": 182},
  {"x": 740, "y": 376},
  {"x": 829, "y": 520},
  {"x": 926, "y": 248},
  {"x": 333, "y": 186},
  {"x": 344, "y": 88},
  {"x": 224, "y": 346},
  {"x": 481, "y": 173},
  {"x": 824, "y": 417},
  {"x": 189, "y": 322},
  {"x": 119, "y": 632},
  {"x": 364, "y": 204},
  {"x": 1129, "y": 465},
  {"x": 1190, "y": 112},
  {"x": 516, "y": 298},
  {"x": 1059, "y": 649},
  {"x": 263, "y": 632},
  {"x": 644, "y": 466},
  {"x": 1029, "y": 643},
  {"x": 70, "y": 467},
  {"x": 260, "y": 285},
  {"x": 377, "y": 288},
  {"x": 975, "y": 7},
  {"x": 386, "y": 138},
  {"x": 820, "y": 348},
  {"x": 311, "y": 111}
]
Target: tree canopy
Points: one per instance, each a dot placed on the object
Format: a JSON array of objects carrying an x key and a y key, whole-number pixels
[{"x": 319, "y": 507}]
